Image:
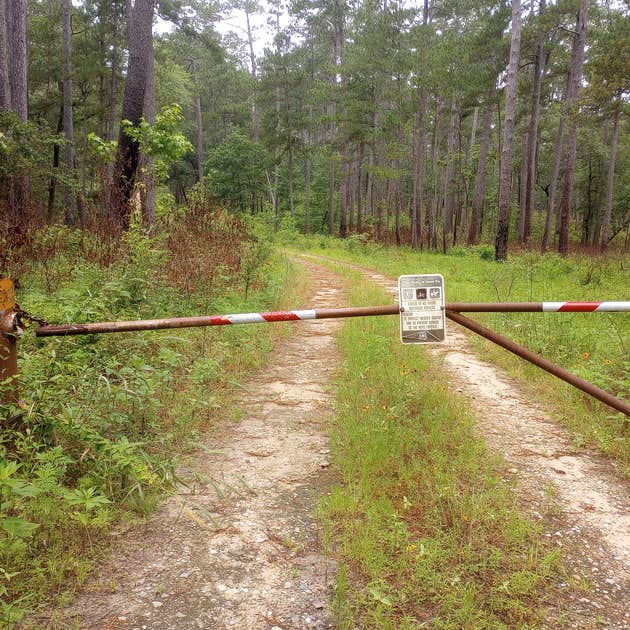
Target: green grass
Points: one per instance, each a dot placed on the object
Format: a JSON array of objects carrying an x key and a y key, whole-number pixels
[
  {"x": 595, "y": 346},
  {"x": 426, "y": 530},
  {"x": 104, "y": 420}
]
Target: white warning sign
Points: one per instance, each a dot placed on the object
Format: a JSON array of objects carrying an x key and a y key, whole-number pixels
[{"x": 421, "y": 299}]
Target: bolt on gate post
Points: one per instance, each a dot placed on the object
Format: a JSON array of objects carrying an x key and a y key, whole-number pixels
[{"x": 8, "y": 343}]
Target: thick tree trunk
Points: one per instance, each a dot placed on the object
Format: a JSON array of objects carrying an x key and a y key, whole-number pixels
[
  {"x": 113, "y": 84},
  {"x": 148, "y": 192},
  {"x": 532, "y": 144},
  {"x": 19, "y": 57},
  {"x": 479, "y": 193},
  {"x": 19, "y": 94},
  {"x": 126, "y": 164},
  {"x": 611, "y": 179},
  {"x": 68, "y": 121},
  {"x": 577, "y": 63},
  {"x": 505, "y": 176},
  {"x": 5, "y": 85}
]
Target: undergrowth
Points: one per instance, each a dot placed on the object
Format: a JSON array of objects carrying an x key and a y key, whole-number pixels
[
  {"x": 595, "y": 346},
  {"x": 102, "y": 418},
  {"x": 427, "y": 533}
]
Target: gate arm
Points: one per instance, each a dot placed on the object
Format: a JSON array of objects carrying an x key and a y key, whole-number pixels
[{"x": 536, "y": 359}]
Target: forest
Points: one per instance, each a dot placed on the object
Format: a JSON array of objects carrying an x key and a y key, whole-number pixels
[
  {"x": 437, "y": 125},
  {"x": 171, "y": 158}
]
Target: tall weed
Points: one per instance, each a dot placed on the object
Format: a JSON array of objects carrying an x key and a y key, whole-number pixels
[{"x": 102, "y": 418}]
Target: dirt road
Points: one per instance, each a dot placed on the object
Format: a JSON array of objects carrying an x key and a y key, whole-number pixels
[
  {"x": 241, "y": 547},
  {"x": 584, "y": 503}
]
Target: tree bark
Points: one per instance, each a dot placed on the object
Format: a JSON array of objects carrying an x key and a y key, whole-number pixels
[
  {"x": 18, "y": 68},
  {"x": 577, "y": 63},
  {"x": 252, "y": 61},
  {"x": 126, "y": 164},
  {"x": 5, "y": 86},
  {"x": 68, "y": 121},
  {"x": 113, "y": 84},
  {"x": 522, "y": 185},
  {"x": 148, "y": 192},
  {"x": 198, "y": 120},
  {"x": 418, "y": 179},
  {"x": 19, "y": 57},
  {"x": 433, "y": 212},
  {"x": 611, "y": 179},
  {"x": 479, "y": 193},
  {"x": 505, "y": 176},
  {"x": 449, "y": 183},
  {"x": 553, "y": 182},
  {"x": 532, "y": 144},
  {"x": 52, "y": 184}
]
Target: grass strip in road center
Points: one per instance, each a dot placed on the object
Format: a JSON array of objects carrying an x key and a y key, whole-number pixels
[{"x": 425, "y": 528}]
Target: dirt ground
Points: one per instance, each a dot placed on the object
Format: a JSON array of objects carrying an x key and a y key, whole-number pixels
[
  {"x": 240, "y": 547},
  {"x": 583, "y": 502}
]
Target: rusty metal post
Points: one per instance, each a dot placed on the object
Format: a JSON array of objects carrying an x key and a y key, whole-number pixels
[
  {"x": 8, "y": 343},
  {"x": 536, "y": 359}
]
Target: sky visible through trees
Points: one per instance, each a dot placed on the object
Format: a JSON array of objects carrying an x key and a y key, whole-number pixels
[{"x": 437, "y": 124}]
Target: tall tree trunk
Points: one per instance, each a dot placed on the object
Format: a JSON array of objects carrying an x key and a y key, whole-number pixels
[
  {"x": 113, "y": 84},
  {"x": 126, "y": 164},
  {"x": 5, "y": 86},
  {"x": 360, "y": 188},
  {"x": 52, "y": 184},
  {"x": 289, "y": 125},
  {"x": 148, "y": 192},
  {"x": 418, "y": 178},
  {"x": 553, "y": 181},
  {"x": 198, "y": 120},
  {"x": 252, "y": 61},
  {"x": 19, "y": 57},
  {"x": 505, "y": 176},
  {"x": 532, "y": 143},
  {"x": 479, "y": 192},
  {"x": 611, "y": 179},
  {"x": 276, "y": 164},
  {"x": 369, "y": 191},
  {"x": 577, "y": 63},
  {"x": 522, "y": 187},
  {"x": 449, "y": 183},
  {"x": 343, "y": 198},
  {"x": 19, "y": 93},
  {"x": 68, "y": 121},
  {"x": 433, "y": 213}
]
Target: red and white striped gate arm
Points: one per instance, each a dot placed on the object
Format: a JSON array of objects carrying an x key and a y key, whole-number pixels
[
  {"x": 452, "y": 311},
  {"x": 259, "y": 318},
  {"x": 585, "y": 307}
]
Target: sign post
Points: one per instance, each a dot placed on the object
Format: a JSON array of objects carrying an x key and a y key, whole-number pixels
[
  {"x": 8, "y": 343},
  {"x": 421, "y": 299}
]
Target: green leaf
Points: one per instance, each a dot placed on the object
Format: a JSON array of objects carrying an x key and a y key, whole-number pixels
[{"x": 18, "y": 527}]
